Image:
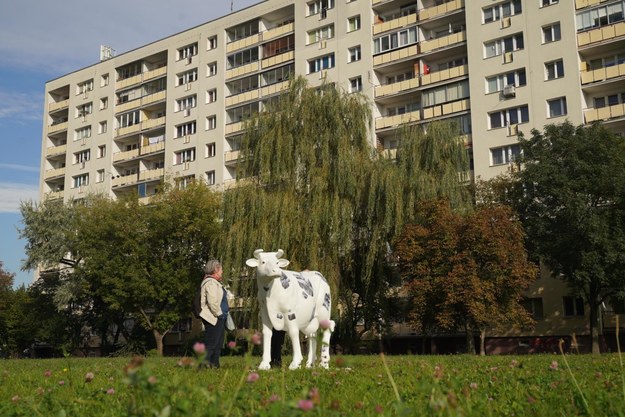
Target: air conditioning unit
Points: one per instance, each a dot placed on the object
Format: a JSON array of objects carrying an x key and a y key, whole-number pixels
[
  {"x": 507, "y": 57},
  {"x": 506, "y": 22},
  {"x": 323, "y": 74},
  {"x": 186, "y": 139},
  {"x": 185, "y": 166},
  {"x": 322, "y": 44},
  {"x": 513, "y": 130},
  {"x": 509, "y": 90},
  {"x": 187, "y": 86}
]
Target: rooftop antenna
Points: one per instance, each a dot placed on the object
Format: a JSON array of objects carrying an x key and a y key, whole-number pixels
[
  {"x": 106, "y": 52},
  {"x": 231, "y": 5}
]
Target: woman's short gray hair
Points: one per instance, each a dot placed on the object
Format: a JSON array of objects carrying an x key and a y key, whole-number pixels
[{"x": 211, "y": 266}]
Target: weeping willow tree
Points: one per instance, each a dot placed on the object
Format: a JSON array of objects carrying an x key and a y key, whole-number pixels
[{"x": 310, "y": 183}]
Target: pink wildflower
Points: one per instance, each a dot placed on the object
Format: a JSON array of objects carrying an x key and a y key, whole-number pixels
[
  {"x": 61, "y": 382},
  {"x": 89, "y": 377},
  {"x": 379, "y": 409},
  {"x": 473, "y": 385},
  {"x": 513, "y": 363},
  {"x": 554, "y": 365},
  {"x": 305, "y": 405},
  {"x": 256, "y": 339},
  {"x": 152, "y": 379},
  {"x": 253, "y": 377},
  {"x": 15, "y": 398},
  {"x": 199, "y": 348},
  {"x": 324, "y": 324},
  {"x": 232, "y": 344},
  {"x": 47, "y": 373},
  {"x": 110, "y": 391},
  {"x": 274, "y": 398}
]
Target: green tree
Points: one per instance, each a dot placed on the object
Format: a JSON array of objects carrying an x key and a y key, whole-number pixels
[
  {"x": 570, "y": 196},
  {"x": 465, "y": 270},
  {"x": 6, "y": 293},
  {"x": 311, "y": 183}
]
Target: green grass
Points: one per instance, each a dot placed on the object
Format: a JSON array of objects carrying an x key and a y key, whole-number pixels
[{"x": 458, "y": 385}]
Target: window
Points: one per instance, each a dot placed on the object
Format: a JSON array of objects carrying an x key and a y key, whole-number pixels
[
  {"x": 446, "y": 93},
  {"x": 551, "y": 33},
  {"x": 507, "y": 117},
  {"x": 275, "y": 75},
  {"x": 353, "y": 23},
  {"x": 498, "y": 82},
  {"x": 354, "y": 54},
  {"x": 321, "y": 63},
  {"x": 99, "y": 175},
  {"x": 184, "y": 182},
  {"x": 395, "y": 40},
  {"x": 211, "y": 150},
  {"x": 185, "y": 129},
  {"x": 355, "y": 84},
  {"x": 505, "y": 9},
  {"x": 325, "y": 32},
  {"x": 573, "y": 306},
  {"x": 545, "y": 3},
  {"x": 187, "y": 77},
  {"x": 85, "y": 109},
  {"x": 187, "y": 51},
  {"x": 504, "y": 154},
  {"x": 187, "y": 155},
  {"x": 600, "y": 16},
  {"x": 610, "y": 100},
  {"x": 82, "y": 156},
  {"x": 188, "y": 102},
  {"x": 243, "y": 30},
  {"x": 83, "y": 133},
  {"x": 211, "y": 122},
  {"x": 534, "y": 306},
  {"x": 211, "y": 69},
  {"x": 101, "y": 151},
  {"x": 104, "y": 103},
  {"x": 80, "y": 180},
  {"x": 241, "y": 58},
  {"x": 102, "y": 127},
  {"x": 210, "y": 177},
  {"x": 499, "y": 46},
  {"x": 211, "y": 96},
  {"x": 402, "y": 109},
  {"x": 319, "y": 7},
  {"x": 554, "y": 69},
  {"x": 129, "y": 119},
  {"x": 84, "y": 87},
  {"x": 557, "y": 107},
  {"x": 212, "y": 43},
  {"x": 104, "y": 80}
]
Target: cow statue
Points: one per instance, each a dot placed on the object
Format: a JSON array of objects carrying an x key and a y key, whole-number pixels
[{"x": 295, "y": 302}]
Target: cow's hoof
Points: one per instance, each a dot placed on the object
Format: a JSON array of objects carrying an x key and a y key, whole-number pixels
[
  {"x": 294, "y": 365},
  {"x": 264, "y": 366},
  {"x": 324, "y": 365},
  {"x": 309, "y": 365}
]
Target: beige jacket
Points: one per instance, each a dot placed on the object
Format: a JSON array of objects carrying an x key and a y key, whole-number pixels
[{"x": 212, "y": 293}]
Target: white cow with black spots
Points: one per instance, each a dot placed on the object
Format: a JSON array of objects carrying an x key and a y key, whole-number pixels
[{"x": 295, "y": 302}]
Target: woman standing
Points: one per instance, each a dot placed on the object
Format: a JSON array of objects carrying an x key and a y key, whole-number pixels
[{"x": 214, "y": 311}]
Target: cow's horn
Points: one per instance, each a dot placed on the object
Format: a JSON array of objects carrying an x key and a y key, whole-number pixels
[
  {"x": 279, "y": 253},
  {"x": 257, "y": 252}
]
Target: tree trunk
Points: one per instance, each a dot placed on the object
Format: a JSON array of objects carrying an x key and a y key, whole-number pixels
[
  {"x": 482, "y": 342},
  {"x": 594, "y": 326},
  {"x": 158, "y": 337},
  {"x": 470, "y": 339}
]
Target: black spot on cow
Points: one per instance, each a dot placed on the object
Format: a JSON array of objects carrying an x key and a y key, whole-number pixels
[
  {"x": 284, "y": 280},
  {"x": 292, "y": 316},
  {"x": 305, "y": 284}
]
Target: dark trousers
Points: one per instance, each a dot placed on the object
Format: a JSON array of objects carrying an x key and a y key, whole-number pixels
[
  {"x": 277, "y": 340},
  {"x": 214, "y": 340}
]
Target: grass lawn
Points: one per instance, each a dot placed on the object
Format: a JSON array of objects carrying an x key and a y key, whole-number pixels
[{"x": 459, "y": 385}]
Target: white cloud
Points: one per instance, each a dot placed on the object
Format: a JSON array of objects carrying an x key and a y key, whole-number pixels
[
  {"x": 17, "y": 167},
  {"x": 21, "y": 106},
  {"x": 12, "y": 194}
]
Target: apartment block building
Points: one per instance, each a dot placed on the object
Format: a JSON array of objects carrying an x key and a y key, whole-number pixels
[{"x": 174, "y": 109}]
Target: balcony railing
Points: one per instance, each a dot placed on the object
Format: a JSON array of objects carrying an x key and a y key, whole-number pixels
[
  {"x": 399, "y": 119},
  {"x": 399, "y": 54},
  {"x": 602, "y": 74},
  {"x": 277, "y": 31},
  {"x": 144, "y": 125},
  {"x": 58, "y": 105},
  {"x": 442, "y": 42},
  {"x": 242, "y": 97},
  {"x": 143, "y": 101},
  {"x": 395, "y": 23},
  {"x": 56, "y": 150},
  {"x": 432, "y": 12},
  {"x": 151, "y": 174},
  {"x": 444, "y": 75},
  {"x": 601, "y": 34},
  {"x": 118, "y": 156},
  {"x": 243, "y": 43},
  {"x": 580, "y": 4},
  {"x": 234, "y": 127},
  {"x": 51, "y": 173},
  {"x": 145, "y": 76},
  {"x": 446, "y": 108},
  {"x": 278, "y": 59},
  {"x": 604, "y": 113},
  {"x": 242, "y": 70},
  {"x": 125, "y": 180},
  {"x": 57, "y": 127},
  {"x": 390, "y": 89}
]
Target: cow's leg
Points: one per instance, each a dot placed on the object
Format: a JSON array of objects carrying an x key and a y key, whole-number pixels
[
  {"x": 325, "y": 345},
  {"x": 312, "y": 350},
  {"x": 267, "y": 332},
  {"x": 297, "y": 349}
]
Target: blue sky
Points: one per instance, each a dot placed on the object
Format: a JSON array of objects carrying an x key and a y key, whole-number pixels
[{"x": 43, "y": 40}]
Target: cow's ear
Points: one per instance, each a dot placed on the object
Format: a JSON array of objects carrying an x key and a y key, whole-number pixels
[
  {"x": 252, "y": 262},
  {"x": 283, "y": 263}
]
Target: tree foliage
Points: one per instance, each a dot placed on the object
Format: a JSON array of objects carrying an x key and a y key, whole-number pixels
[
  {"x": 464, "y": 271},
  {"x": 570, "y": 196},
  {"x": 311, "y": 183}
]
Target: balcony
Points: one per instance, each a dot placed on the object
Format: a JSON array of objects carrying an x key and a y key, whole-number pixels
[
  {"x": 231, "y": 157},
  {"x": 234, "y": 127},
  {"x": 243, "y": 43},
  {"x": 442, "y": 42},
  {"x": 392, "y": 56},
  {"x": 58, "y": 127},
  {"x": 400, "y": 22},
  {"x": 396, "y": 88},
  {"x": 277, "y": 31},
  {"x": 446, "y": 109},
  {"x": 277, "y": 59},
  {"x": 144, "y": 125},
  {"x": 56, "y": 150},
  {"x": 242, "y": 97},
  {"x": 602, "y": 34},
  {"x": 54, "y": 195},
  {"x": 125, "y": 180},
  {"x": 444, "y": 75},
  {"x": 580, "y": 4},
  {"x": 58, "y": 105},
  {"x": 149, "y": 149},
  {"x": 143, "y": 101},
  {"x": 602, "y": 74},
  {"x": 604, "y": 113},
  {"x": 137, "y": 79},
  {"x": 152, "y": 174},
  {"x": 399, "y": 119},
  {"x": 242, "y": 70},
  {"x": 120, "y": 156},
  {"x": 274, "y": 88},
  {"x": 433, "y": 12},
  {"x": 53, "y": 173}
]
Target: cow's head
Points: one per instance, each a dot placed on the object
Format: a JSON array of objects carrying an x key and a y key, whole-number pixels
[{"x": 268, "y": 264}]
